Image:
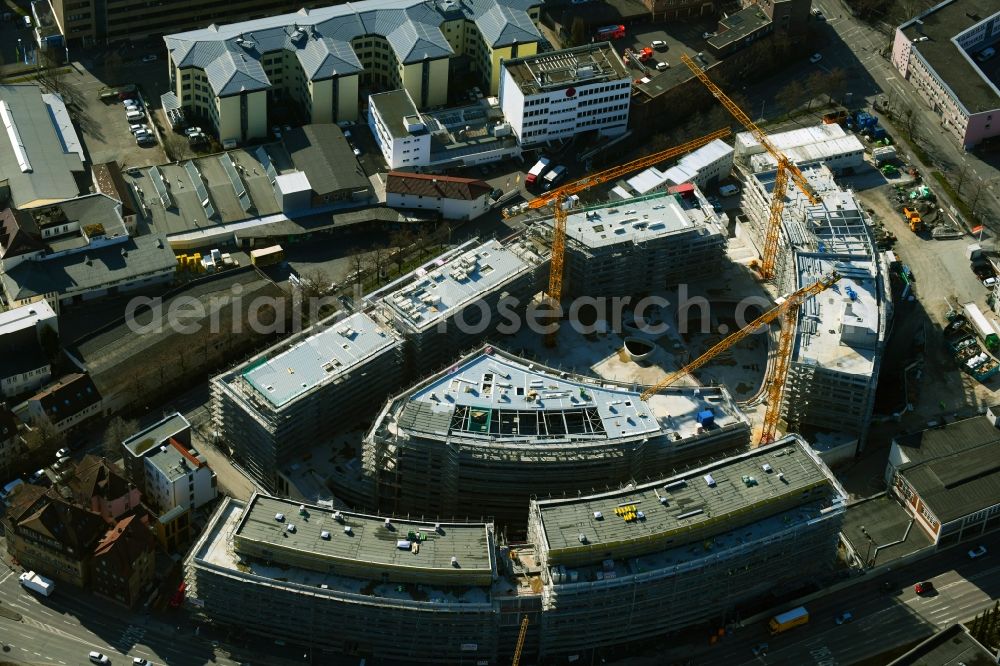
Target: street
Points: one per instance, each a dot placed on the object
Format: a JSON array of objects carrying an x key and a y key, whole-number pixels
[{"x": 881, "y": 622}]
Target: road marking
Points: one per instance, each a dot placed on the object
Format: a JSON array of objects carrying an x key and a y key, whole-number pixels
[{"x": 4, "y": 579}]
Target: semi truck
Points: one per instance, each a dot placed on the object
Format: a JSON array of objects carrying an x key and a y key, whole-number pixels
[
  {"x": 788, "y": 620},
  {"x": 37, "y": 583},
  {"x": 981, "y": 326},
  {"x": 535, "y": 173}
]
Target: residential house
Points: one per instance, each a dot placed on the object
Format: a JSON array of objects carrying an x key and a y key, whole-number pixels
[
  {"x": 25, "y": 363},
  {"x": 454, "y": 198},
  {"x": 99, "y": 486},
  {"x": 65, "y": 404},
  {"x": 122, "y": 567}
]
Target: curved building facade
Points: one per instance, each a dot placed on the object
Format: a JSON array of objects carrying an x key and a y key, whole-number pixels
[{"x": 494, "y": 430}]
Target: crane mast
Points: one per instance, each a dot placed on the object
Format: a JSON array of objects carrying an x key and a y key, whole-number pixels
[{"x": 785, "y": 169}]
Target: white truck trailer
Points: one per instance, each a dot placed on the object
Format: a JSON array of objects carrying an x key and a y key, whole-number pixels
[{"x": 37, "y": 583}]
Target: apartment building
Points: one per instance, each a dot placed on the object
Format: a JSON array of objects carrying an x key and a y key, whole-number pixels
[
  {"x": 493, "y": 430},
  {"x": 643, "y": 244},
  {"x": 321, "y": 58},
  {"x": 630, "y": 564},
  {"x": 559, "y": 94},
  {"x": 946, "y": 53},
  {"x": 399, "y": 130},
  {"x": 136, "y": 447},
  {"x": 24, "y": 362},
  {"x": 123, "y": 562},
  {"x": 65, "y": 404},
  {"x": 177, "y": 475},
  {"x": 303, "y": 391},
  {"x": 840, "y": 334}
]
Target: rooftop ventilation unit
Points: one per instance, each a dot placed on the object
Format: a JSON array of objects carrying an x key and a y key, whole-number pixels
[
  {"x": 324, "y": 535},
  {"x": 290, "y": 528},
  {"x": 347, "y": 529},
  {"x": 582, "y": 537},
  {"x": 388, "y": 524},
  {"x": 454, "y": 561},
  {"x": 279, "y": 517},
  {"x": 709, "y": 480},
  {"x": 437, "y": 527}
]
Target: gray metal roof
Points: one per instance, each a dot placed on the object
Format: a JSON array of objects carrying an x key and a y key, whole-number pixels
[
  {"x": 51, "y": 150},
  {"x": 954, "y": 469},
  {"x": 320, "y": 38},
  {"x": 91, "y": 268},
  {"x": 322, "y": 152}
]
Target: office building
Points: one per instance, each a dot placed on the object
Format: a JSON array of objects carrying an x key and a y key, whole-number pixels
[
  {"x": 303, "y": 391},
  {"x": 321, "y": 58},
  {"x": 631, "y": 564},
  {"x": 408, "y": 590},
  {"x": 947, "y": 53},
  {"x": 558, "y": 94},
  {"x": 41, "y": 157},
  {"x": 947, "y": 479},
  {"x": 643, "y": 244},
  {"x": 636, "y": 563},
  {"x": 493, "y": 430},
  {"x": 453, "y": 302}
]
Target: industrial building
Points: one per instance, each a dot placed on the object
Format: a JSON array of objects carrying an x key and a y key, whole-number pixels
[
  {"x": 841, "y": 334},
  {"x": 41, "y": 157},
  {"x": 355, "y": 583},
  {"x": 703, "y": 167},
  {"x": 555, "y": 95},
  {"x": 300, "y": 392},
  {"x": 452, "y": 302},
  {"x": 643, "y": 244},
  {"x": 948, "y": 478},
  {"x": 322, "y": 57},
  {"x": 493, "y": 430},
  {"x": 947, "y": 53},
  {"x": 628, "y": 564},
  {"x": 453, "y": 197}
]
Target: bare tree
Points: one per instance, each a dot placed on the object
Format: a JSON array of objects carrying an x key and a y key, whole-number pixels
[
  {"x": 962, "y": 175},
  {"x": 401, "y": 242},
  {"x": 117, "y": 431},
  {"x": 815, "y": 84},
  {"x": 788, "y": 97},
  {"x": 836, "y": 83},
  {"x": 909, "y": 121},
  {"x": 43, "y": 439},
  {"x": 358, "y": 262}
]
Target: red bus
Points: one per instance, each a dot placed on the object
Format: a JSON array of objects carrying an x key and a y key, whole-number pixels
[{"x": 611, "y": 32}]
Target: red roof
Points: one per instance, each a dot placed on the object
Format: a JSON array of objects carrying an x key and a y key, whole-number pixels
[
  {"x": 682, "y": 189},
  {"x": 437, "y": 187}
]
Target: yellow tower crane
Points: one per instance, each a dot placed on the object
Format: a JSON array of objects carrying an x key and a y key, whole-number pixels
[
  {"x": 787, "y": 308},
  {"x": 785, "y": 169},
  {"x": 520, "y": 642},
  {"x": 557, "y": 198}
]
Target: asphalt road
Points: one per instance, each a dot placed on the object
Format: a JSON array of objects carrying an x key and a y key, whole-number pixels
[
  {"x": 882, "y": 621},
  {"x": 62, "y": 629}
]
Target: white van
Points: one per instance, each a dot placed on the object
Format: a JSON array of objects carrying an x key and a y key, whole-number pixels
[
  {"x": 729, "y": 190},
  {"x": 133, "y": 116}
]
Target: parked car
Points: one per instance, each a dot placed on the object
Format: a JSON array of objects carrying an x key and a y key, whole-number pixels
[
  {"x": 139, "y": 661},
  {"x": 844, "y": 618},
  {"x": 924, "y": 587},
  {"x": 63, "y": 452},
  {"x": 98, "y": 658},
  {"x": 759, "y": 650},
  {"x": 191, "y": 131},
  {"x": 818, "y": 14},
  {"x": 137, "y": 128},
  {"x": 149, "y": 57},
  {"x": 978, "y": 551},
  {"x": 659, "y": 44},
  {"x": 815, "y": 58},
  {"x": 662, "y": 65},
  {"x": 357, "y": 152}
]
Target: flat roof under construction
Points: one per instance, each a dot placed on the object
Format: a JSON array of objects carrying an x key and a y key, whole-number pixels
[
  {"x": 640, "y": 220},
  {"x": 445, "y": 285},
  {"x": 497, "y": 396},
  {"x": 370, "y": 542},
  {"x": 331, "y": 352},
  {"x": 654, "y": 512}
]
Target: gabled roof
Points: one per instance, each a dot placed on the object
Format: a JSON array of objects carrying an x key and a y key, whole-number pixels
[
  {"x": 20, "y": 352},
  {"x": 123, "y": 544},
  {"x": 96, "y": 478},
  {"x": 18, "y": 234},
  {"x": 71, "y": 526},
  {"x": 321, "y": 38},
  {"x": 70, "y": 395},
  {"x": 437, "y": 187}
]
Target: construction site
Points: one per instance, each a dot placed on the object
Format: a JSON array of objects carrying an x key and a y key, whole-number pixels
[{"x": 628, "y": 445}]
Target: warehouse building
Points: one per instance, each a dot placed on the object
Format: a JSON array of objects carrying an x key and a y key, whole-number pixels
[
  {"x": 555, "y": 95},
  {"x": 947, "y": 53},
  {"x": 825, "y": 144},
  {"x": 703, "y": 167},
  {"x": 948, "y": 479},
  {"x": 493, "y": 430},
  {"x": 643, "y": 244},
  {"x": 359, "y": 584},
  {"x": 321, "y": 58},
  {"x": 639, "y": 562},
  {"x": 629, "y": 564},
  {"x": 302, "y": 391},
  {"x": 452, "y": 302},
  {"x": 841, "y": 334}
]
